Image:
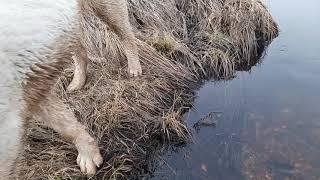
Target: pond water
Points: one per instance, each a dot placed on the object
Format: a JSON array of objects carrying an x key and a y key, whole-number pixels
[{"x": 267, "y": 121}]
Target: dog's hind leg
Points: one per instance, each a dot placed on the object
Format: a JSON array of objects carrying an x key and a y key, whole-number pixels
[
  {"x": 115, "y": 14},
  {"x": 60, "y": 118},
  {"x": 81, "y": 61}
]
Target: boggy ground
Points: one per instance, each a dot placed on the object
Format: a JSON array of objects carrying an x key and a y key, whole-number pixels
[{"x": 181, "y": 43}]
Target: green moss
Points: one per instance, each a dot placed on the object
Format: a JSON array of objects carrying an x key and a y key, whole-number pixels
[{"x": 163, "y": 44}]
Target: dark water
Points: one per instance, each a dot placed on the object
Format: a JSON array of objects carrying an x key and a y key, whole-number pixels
[{"x": 268, "y": 119}]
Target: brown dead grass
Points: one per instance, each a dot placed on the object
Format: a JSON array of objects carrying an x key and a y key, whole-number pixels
[{"x": 181, "y": 43}]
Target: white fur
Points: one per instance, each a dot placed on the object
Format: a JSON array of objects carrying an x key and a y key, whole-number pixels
[{"x": 24, "y": 25}]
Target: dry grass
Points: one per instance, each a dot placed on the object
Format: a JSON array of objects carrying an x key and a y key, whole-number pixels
[{"x": 133, "y": 119}]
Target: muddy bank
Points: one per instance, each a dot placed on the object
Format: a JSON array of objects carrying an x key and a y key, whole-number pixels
[{"x": 181, "y": 43}]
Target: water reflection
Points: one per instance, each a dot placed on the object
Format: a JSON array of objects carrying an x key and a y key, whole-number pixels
[{"x": 269, "y": 122}]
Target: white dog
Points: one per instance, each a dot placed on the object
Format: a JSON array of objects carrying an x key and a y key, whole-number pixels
[
  {"x": 24, "y": 25},
  {"x": 29, "y": 25}
]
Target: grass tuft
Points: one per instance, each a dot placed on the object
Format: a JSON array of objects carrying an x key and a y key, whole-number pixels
[{"x": 181, "y": 42}]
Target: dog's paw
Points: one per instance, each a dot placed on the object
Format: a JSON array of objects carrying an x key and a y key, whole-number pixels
[
  {"x": 79, "y": 77},
  {"x": 89, "y": 158},
  {"x": 134, "y": 68}
]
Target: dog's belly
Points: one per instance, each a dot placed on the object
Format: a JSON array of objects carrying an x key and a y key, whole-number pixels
[{"x": 25, "y": 26}]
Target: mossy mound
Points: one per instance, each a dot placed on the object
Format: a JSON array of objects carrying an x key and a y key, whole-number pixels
[{"x": 181, "y": 43}]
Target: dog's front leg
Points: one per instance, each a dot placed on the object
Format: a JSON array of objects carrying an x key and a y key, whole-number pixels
[{"x": 60, "y": 118}]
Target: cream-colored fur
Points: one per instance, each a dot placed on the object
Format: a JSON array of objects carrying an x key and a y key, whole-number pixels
[
  {"x": 83, "y": 42},
  {"x": 29, "y": 25},
  {"x": 114, "y": 14},
  {"x": 59, "y": 117},
  {"x": 25, "y": 25},
  {"x": 43, "y": 106}
]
